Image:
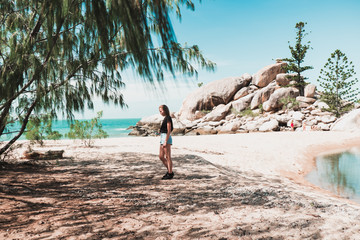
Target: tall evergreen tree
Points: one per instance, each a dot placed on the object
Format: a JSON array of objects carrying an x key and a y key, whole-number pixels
[
  {"x": 335, "y": 80},
  {"x": 298, "y": 53},
  {"x": 55, "y": 56}
]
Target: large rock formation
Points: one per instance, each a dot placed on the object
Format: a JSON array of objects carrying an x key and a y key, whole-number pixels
[
  {"x": 231, "y": 105},
  {"x": 212, "y": 94},
  {"x": 267, "y": 74}
]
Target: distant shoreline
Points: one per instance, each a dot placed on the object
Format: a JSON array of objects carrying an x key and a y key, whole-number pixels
[{"x": 115, "y": 127}]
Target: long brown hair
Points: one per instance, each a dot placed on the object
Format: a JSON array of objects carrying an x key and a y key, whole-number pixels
[{"x": 166, "y": 109}]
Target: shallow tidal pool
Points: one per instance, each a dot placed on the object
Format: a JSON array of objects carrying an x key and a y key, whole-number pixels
[{"x": 339, "y": 173}]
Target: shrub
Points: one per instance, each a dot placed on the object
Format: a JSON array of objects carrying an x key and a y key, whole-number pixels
[
  {"x": 87, "y": 131},
  {"x": 206, "y": 111},
  {"x": 261, "y": 108},
  {"x": 244, "y": 113},
  {"x": 289, "y": 102},
  {"x": 39, "y": 128}
]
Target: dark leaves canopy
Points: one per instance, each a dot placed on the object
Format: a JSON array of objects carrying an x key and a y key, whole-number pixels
[
  {"x": 62, "y": 53},
  {"x": 55, "y": 56}
]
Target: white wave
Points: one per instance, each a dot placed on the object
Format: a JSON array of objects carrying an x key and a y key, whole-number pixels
[{"x": 120, "y": 129}]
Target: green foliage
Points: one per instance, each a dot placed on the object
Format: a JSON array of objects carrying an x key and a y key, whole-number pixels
[
  {"x": 87, "y": 131},
  {"x": 335, "y": 79},
  {"x": 56, "y": 56},
  {"x": 261, "y": 108},
  {"x": 39, "y": 128},
  {"x": 205, "y": 111},
  {"x": 298, "y": 53},
  {"x": 200, "y": 84},
  {"x": 289, "y": 103},
  {"x": 244, "y": 113}
]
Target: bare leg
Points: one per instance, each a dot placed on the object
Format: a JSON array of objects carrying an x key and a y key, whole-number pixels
[
  {"x": 168, "y": 158},
  {"x": 162, "y": 156}
]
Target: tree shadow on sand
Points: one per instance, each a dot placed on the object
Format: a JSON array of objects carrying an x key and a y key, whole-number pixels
[{"x": 122, "y": 196}]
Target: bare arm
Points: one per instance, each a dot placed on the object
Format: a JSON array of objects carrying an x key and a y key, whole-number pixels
[{"x": 168, "y": 126}]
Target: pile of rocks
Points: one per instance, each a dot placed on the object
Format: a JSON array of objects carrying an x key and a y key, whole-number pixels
[{"x": 263, "y": 102}]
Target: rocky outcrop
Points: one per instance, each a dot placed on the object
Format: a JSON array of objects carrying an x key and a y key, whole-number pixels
[
  {"x": 307, "y": 100},
  {"x": 242, "y": 93},
  {"x": 283, "y": 79},
  {"x": 210, "y": 95},
  {"x": 199, "y": 114},
  {"x": 275, "y": 102},
  {"x": 263, "y": 95},
  {"x": 321, "y": 105},
  {"x": 154, "y": 120},
  {"x": 150, "y": 126},
  {"x": 242, "y": 103},
  {"x": 218, "y": 113},
  {"x": 234, "y": 105},
  {"x": 267, "y": 74},
  {"x": 310, "y": 91},
  {"x": 271, "y": 125},
  {"x": 230, "y": 127},
  {"x": 349, "y": 122}
]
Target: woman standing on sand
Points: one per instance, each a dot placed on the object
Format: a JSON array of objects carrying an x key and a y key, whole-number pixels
[{"x": 166, "y": 141}]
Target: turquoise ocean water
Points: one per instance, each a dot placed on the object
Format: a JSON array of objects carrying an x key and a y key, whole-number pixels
[
  {"x": 114, "y": 127},
  {"x": 339, "y": 173}
]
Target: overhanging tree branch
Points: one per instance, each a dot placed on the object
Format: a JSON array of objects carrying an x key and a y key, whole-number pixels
[
  {"x": 67, "y": 45},
  {"x": 23, "y": 126},
  {"x": 38, "y": 70}
]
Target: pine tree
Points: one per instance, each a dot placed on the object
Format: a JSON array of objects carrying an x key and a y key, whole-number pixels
[
  {"x": 55, "y": 56},
  {"x": 298, "y": 53},
  {"x": 335, "y": 80}
]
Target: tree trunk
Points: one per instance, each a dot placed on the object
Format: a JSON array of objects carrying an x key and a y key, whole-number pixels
[
  {"x": 299, "y": 80},
  {"x": 4, "y": 114},
  {"x": 300, "y": 84},
  {"x": 23, "y": 126}
]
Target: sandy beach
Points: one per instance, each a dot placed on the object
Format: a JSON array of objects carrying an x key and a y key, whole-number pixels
[{"x": 239, "y": 186}]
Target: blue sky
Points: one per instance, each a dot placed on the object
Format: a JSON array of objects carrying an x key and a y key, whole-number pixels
[{"x": 244, "y": 36}]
